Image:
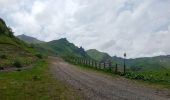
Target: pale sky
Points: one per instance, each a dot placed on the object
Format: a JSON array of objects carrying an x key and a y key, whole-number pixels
[{"x": 141, "y": 28}]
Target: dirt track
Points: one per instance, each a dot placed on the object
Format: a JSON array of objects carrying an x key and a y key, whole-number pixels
[{"x": 97, "y": 86}]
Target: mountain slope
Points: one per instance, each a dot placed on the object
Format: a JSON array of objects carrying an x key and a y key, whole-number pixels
[
  {"x": 62, "y": 48},
  {"x": 98, "y": 56},
  {"x": 13, "y": 52},
  {"x": 145, "y": 63},
  {"x": 137, "y": 64},
  {"x": 149, "y": 63},
  {"x": 29, "y": 39}
]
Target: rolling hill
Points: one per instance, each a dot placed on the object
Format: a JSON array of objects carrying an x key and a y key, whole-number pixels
[
  {"x": 149, "y": 63},
  {"x": 98, "y": 56},
  {"x": 64, "y": 48},
  {"x": 61, "y": 48},
  {"x": 137, "y": 64},
  {"x": 145, "y": 63},
  {"x": 29, "y": 39}
]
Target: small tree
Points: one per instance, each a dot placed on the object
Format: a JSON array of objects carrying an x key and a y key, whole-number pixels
[
  {"x": 3, "y": 56},
  {"x": 39, "y": 56}
]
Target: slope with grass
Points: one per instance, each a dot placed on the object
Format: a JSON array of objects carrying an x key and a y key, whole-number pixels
[
  {"x": 24, "y": 73},
  {"x": 29, "y": 39},
  {"x": 14, "y": 52},
  {"x": 98, "y": 56},
  {"x": 62, "y": 48}
]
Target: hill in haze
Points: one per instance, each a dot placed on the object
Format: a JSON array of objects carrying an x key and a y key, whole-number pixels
[
  {"x": 149, "y": 63},
  {"x": 29, "y": 39},
  {"x": 145, "y": 63},
  {"x": 137, "y": 64},
  {"x": 98, "y": 56}
]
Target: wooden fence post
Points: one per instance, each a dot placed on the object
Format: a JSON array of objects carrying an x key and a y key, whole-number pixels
[
  {"x": 104, "y": 65},
  {"x": 89, "y": 62},
  {"x": 110, "y": 66},
  {"x": 95, "y": 64},
  {"x": 116, "y": 68},
  {"x": 99, "y": 65}
]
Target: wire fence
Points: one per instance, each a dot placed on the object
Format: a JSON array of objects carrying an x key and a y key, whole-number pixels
[{"x": 103, "y": 65}]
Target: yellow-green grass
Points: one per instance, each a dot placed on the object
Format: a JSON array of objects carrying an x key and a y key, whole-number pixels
[
  {"x": 16, "y": 42},
  {"x": 11, "y": 53},
  {"x": 34, "y": 84}
]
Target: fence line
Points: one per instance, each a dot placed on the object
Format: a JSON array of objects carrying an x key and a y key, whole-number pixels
[{"x": 107, "y": 65}]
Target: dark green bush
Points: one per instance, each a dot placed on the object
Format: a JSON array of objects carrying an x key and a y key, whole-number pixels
[
  {"x": 17, "y": 64},
  {"x": 18, "y": 69},
  {"x": 39, "y": 56},
  {"x": 35, "y": 77},
  {"x": 167, "y": 74},
  {"x": 1, "y": 68},
  {"x": 3, "y": 57}
]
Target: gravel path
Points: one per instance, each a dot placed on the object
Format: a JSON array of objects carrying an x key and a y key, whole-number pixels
[{"x": 97, "y": 86}]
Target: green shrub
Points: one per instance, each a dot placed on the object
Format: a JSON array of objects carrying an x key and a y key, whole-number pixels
[
  {"x": 1, "y": 68},
  {"x": 35, "y": 77},
  {"x": 3, "y": 57},
  {"x": 39, "y": 56},
  {"x": 17, "y": 64},
  {"x": 167, "y": 74},
  {"x": 18, "y": 69}
]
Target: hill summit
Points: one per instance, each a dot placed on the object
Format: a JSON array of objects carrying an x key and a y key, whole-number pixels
[
  {"x": 61, "y": 48},
  {"x": 29, "y": 39}
]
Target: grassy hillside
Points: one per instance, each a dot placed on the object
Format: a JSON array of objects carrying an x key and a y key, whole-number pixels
[
  {"x": 150, "y": 63},
  {"x": 14, "y": 52},
  {"x": 98, "y": 56},
  {"x": 29, "y": 39},
  {"x": 146, "y": 63},
  {"x": 62, "y": 48},
  {"x": 23, "y": 75},
  {"x": 150, "y": 69}
]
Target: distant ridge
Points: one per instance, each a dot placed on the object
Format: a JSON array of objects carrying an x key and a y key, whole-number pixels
[
  {"x": 62, "y": 48},
  {"x": 29, "y": 39},
  {"x": 98, "y": 56}
]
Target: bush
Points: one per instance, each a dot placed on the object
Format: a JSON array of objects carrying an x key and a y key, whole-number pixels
[
  {"x": 17, "y": 64},
  {"x": 3, "y": 57},
  {"x": 167, "y": 74},
  {"x": 35, "y": 77},
  {"x": 1, "y": 68},
  {"x": 39, "y": 56},
  {"x": 18, "y": 70}
]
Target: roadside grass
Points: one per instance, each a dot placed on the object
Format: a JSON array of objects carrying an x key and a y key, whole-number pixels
[
  {"x": 34, "y": 84},
  {"x": 159, "y": 78}
]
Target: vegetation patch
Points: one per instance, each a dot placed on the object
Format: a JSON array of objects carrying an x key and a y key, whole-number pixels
[
  {"x": 34, "y": 84},
  {"x": 17, "y": 64}
]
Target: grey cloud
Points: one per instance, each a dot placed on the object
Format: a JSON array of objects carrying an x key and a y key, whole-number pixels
[{"x": 140, "y": 28}]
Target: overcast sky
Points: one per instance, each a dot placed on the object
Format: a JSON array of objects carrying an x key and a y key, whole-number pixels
[{"x": 138, "y": 27}]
